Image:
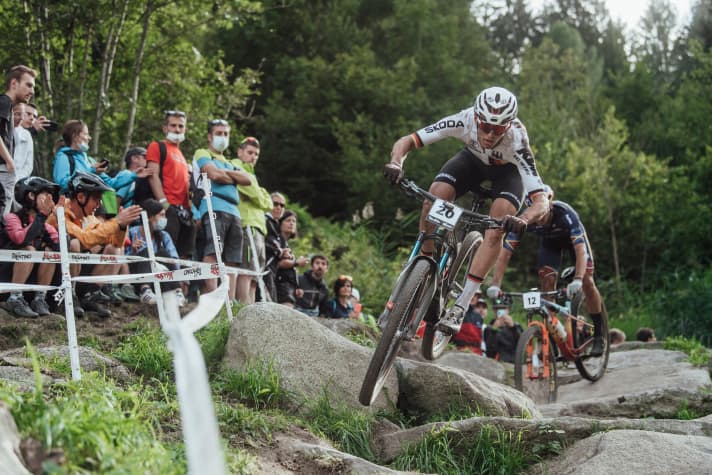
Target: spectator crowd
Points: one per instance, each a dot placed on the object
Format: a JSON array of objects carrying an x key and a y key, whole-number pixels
[{"x": 251, "y": 229}]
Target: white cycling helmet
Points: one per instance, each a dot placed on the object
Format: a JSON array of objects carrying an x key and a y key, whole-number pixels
[{"x": 496, "y": 105}]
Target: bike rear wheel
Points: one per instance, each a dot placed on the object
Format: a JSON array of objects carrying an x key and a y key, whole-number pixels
[
  {"x": 530, "y": 366},
  {"x": 435, "y": 341},
  {"x": 406, "y": 306},
  {"x": 590, "y": 367}
]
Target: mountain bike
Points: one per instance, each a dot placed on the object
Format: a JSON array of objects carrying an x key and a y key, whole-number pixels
[
  {"x": 554, "y": 333},
  {"x": 428, "y": 285}
]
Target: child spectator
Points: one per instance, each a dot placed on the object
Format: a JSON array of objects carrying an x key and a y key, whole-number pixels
[
  {"x": 341, "y": 306},
  {"x": 616, "y": 336},
  {"x": 162, "y": 247},
  {"x": 312, "y": 293},
  {"x": 645, "y": 334},
  {"x": 28, "y": 230}
]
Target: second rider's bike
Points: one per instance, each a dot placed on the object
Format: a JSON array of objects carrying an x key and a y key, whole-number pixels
[{"x": 428, "y": 285}]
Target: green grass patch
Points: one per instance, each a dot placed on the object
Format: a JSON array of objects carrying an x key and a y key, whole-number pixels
[
  {"x": 696, "y": 353},
  {"x": 491, "y": 452},
  {"x": 213, "y": 340},
  {"x": 686, "y": 414},
  {"x": 259, "y": 385},
  {"x": 101, "y": 427},
  {"x": 349, "y": 429},
  {"x": 146, "y": 352}
]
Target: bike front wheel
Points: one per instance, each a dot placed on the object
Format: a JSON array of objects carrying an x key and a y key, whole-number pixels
[
  {"x": 405, "y": 307},
  {"x": 535, "y": 366},
  {"x": 591, "y": 367}
]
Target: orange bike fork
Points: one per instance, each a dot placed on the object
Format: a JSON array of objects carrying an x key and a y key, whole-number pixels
[{"x": 532, "y": 373}]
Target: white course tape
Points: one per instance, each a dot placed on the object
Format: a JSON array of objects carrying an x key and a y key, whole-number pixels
[
  {"x": 6, "y": 287},
  {"x": 200, "y": 427},
  {"x": 74, "y": 257}
]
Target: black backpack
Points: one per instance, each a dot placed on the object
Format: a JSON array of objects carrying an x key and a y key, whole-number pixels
[{"x": 143, "y": 191}]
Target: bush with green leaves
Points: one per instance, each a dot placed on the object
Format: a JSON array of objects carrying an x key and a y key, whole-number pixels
[{"x": 697, "y": 354}]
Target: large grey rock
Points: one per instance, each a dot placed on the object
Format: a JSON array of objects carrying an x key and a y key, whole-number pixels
[
  {"x": 638, "y": 345},
  {"x": 23, "y": 378},
  {"x": 389, "y": 442},
  {"x": 429, "y": 389},
  {"x": 89, "y": 360},
  {"x": 309, "y": 356},
  {"x": 632, "y": 453},
  {"x": 10, "y": 459},
  {"x": 638, "y": 383},
  {"x": 477, "y": 364}
]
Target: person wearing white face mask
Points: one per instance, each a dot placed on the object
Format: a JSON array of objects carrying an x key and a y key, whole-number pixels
[
  {"x": 169, "y": 182},
  {"x": 223, "y": 177},
  {"x": 72, "y": 157},
  {"x": 162, "y": 246}
]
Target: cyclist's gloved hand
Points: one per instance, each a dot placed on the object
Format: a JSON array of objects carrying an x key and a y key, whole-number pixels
[
  {"x": 494, "y": 292},
  {"x": 514, "y": 224},
  {"x": 573, "y": 288},
  {"x": 393, "y": 172}
]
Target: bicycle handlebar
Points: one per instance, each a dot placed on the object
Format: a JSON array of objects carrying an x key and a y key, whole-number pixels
[{"x": 414, "y": 191}]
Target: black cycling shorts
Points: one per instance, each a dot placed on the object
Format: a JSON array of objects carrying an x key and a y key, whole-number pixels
[{"x": 465, "y": 172}]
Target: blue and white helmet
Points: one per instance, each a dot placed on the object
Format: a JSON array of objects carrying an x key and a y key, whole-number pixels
[
  {"x": 496, "y": 105},
  {"x": 549, "y": 195}
]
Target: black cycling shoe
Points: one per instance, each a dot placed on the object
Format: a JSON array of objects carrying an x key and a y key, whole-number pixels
[
  {"x": 598, "y": 346},
  {"x": 91, "y": 304}
]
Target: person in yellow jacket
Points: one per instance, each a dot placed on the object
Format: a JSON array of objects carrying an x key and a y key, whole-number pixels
[
  {"x": 93, "y": 235},
  {"x": 254, "y": 201}
]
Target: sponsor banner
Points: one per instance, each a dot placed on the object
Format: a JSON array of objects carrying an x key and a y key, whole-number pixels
[{"x": 6, "y": 287}]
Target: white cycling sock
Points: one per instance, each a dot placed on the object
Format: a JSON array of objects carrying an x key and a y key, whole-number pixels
[{"x": 471, "y": 288}]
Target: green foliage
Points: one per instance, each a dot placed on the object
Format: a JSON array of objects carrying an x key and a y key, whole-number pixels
[
  {"x": 146, "y": 352},
  {"x": 258, "y": 385},
  {"x": 685, "y": 413},
  {"x": 442, "y": 451},
  {"x": 213, "y": 340},
  {"x": 101, "y": 427},
  {"x": 697, "y": 354},
  {"x": 350, "y": 430},
  {"x": 684, "y": 307}
]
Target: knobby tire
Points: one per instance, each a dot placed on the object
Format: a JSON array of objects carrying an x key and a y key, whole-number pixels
[
  {"x": 539, "y": 388},
  {"x": 407, "y": 300}
]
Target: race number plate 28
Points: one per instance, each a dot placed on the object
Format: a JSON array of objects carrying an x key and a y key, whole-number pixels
[
  {"x": 444, "y": 214},
  {"x": 531, "y": 300}
]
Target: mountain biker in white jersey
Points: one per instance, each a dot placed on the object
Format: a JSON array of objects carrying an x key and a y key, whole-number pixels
[{"x": 496, "y": 149}]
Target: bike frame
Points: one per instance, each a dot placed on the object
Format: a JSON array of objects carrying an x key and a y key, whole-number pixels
[{"x": 566, "y": 347}]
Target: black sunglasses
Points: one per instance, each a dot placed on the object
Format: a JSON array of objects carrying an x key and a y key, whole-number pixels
[
  {"x": 281, "y": 205},
  {"x": 174, "y": 113}
]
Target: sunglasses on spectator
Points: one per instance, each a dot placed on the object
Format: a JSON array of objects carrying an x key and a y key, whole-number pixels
[
  {"x": 346, "y": 277},
  {"x": 492, "y": 128},
  {"x": 277, "y": 203},
  {"x": 217, "y": 122},
  {"x": 174, "y": 113}
]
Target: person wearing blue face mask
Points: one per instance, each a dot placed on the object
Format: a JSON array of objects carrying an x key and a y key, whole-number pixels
[
  {"x": 72, "y": 157},
  {"x": 162, "y": 246},
  {"x": 502, "y": 334}
]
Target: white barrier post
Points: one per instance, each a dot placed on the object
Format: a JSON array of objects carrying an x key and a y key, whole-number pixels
[
  {"x": 256, "y": 263},
  {"x": 216, "y": 240},
  {"x": 68, "y": 297},
  {"x": 154, "y": 267}
]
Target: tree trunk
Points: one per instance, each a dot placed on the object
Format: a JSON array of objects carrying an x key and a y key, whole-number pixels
[
  {"x": 107, "y": 64},
  {"x": 138, "y": 65},
  {"x": 84, "y": 74},
  {"x": 41, "y": 44}
]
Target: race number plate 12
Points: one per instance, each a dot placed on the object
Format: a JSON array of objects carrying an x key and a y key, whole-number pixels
[
  {"x": 531, "y": 300},
  {"x": 444, "y": 213}
]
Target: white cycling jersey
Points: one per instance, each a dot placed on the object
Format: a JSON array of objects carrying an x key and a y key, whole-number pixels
[{"x": 512, "y": 148}]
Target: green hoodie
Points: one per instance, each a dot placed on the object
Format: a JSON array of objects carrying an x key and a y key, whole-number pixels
[{"x": 254, "y": 200}]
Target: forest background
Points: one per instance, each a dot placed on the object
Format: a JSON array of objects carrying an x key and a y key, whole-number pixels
[{"x": 620, "y": 123}]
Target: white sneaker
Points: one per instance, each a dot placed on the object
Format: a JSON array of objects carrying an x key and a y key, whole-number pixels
[
  {"x": 147, "y": 296},
  {"x": 180, "y": 297}
]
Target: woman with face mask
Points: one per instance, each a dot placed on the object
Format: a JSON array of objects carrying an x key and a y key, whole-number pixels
[
  {"x": 72, "y": 157},
  {"x": 162, "y": 246}
]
